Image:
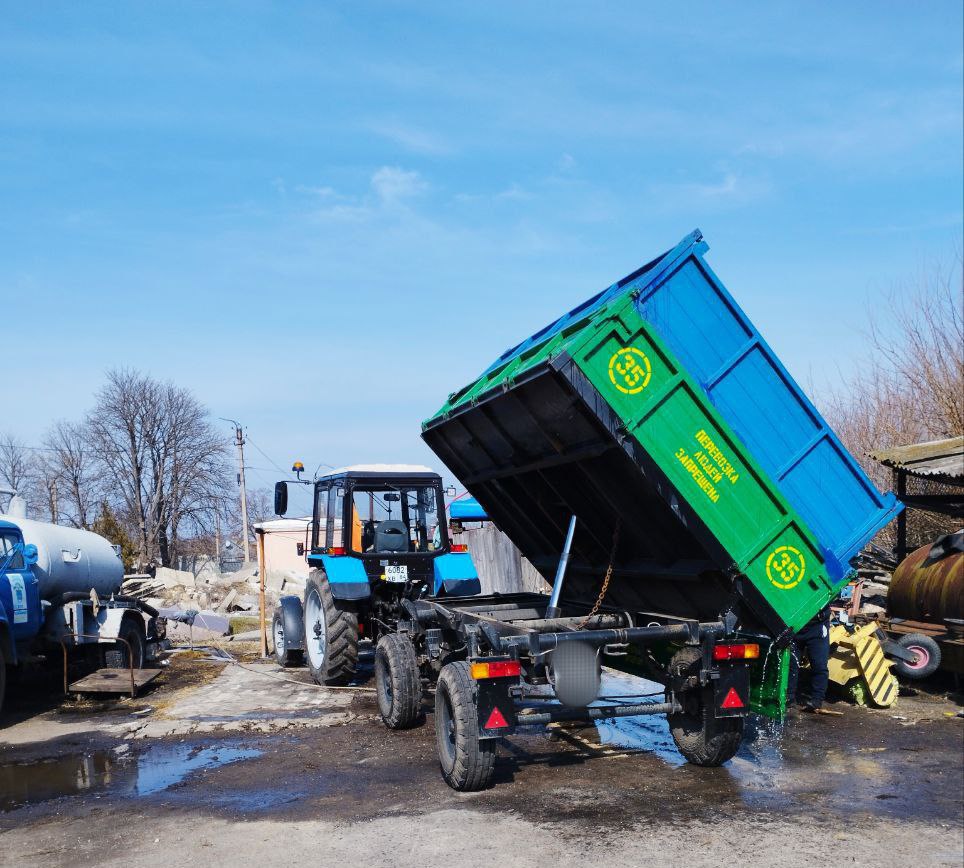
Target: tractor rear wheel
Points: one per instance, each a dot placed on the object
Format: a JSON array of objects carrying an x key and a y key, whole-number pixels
[
  {"x": 331, "y": 634},
  {"x": 468, "y": 762},
  {"x": 701, "y": 737},
  {"x": 398, "y": 682}
]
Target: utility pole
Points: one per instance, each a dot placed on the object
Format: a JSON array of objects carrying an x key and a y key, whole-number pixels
[{"x": 239, "y": 442}]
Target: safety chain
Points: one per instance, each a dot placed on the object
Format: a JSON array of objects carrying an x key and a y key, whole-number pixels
[{"x": 605, "y": 584}]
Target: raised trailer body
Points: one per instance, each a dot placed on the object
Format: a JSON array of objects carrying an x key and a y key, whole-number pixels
[{"x": 692, "y": 313}]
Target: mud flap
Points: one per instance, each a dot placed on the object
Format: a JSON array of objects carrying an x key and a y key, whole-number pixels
[
  {"x": 731, "y": 691},
  {"x": 496, "y": 709}
]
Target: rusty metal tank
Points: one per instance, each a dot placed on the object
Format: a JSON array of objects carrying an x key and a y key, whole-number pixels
[{"x": 928, "y": 585}]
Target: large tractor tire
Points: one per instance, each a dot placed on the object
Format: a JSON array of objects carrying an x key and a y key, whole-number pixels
[
  {"x": 468, "y": 762},
  {"x": 331, "y": 634},
  {"x": 398, "y": 682},
  {"x": 701, "y": 737}
]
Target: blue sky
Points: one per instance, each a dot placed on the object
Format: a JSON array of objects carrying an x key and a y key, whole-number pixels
[{"x": 323, "y": 218}]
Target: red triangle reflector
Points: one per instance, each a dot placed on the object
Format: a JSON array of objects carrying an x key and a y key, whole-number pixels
[
  {"x": 496, "y": 720},
  {"x": 732, "y": 700}
]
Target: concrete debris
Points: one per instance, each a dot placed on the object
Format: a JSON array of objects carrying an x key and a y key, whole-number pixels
[{"x": 209, "y": 591}]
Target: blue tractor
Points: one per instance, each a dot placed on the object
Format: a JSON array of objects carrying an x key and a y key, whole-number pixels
[{"x": 378, "y": 541}]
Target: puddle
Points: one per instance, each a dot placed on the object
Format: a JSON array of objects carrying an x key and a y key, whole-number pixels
[{"x": 152, "y": 771}]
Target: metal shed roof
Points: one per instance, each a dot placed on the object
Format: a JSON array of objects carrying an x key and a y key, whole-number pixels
[{"x": 941, "y": 460}]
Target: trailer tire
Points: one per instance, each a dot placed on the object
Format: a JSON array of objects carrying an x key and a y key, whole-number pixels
[
  {"x": 928, "y": 656},
  {"x": 115, "y": 656},
  {"x": 398, "y": 682},
  {"x": 468, "y": 762},
  {"x": 701, "y": 737},
  {"x": 284, "y": 655},
  {"x": 331, "y": 634}
]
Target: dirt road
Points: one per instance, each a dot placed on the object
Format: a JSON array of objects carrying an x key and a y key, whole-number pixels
[{"x": 222, "y": 765}]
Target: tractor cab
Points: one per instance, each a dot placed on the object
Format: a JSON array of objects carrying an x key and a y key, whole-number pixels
[{"x": 378, "y": 536}]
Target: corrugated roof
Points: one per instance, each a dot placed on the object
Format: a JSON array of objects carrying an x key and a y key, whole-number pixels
[{"x": 936, "y": 459}]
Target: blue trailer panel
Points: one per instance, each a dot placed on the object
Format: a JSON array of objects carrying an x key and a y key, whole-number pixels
[{"x": 691, "y": 310}]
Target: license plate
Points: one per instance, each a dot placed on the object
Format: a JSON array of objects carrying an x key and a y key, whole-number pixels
[{"x": 396, "y": 573}]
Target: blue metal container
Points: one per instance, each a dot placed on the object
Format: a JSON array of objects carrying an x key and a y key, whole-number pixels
[{"x": 690, "y": 309}]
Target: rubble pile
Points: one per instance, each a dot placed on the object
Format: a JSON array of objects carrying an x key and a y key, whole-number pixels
[{"x": 215, "y": 596}]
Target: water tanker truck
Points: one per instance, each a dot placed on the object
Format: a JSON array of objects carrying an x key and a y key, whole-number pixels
[{"x": 59, "y": 593}]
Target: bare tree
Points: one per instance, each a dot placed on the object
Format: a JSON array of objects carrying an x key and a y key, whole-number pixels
[
  {"x": 16, "y": 463},
  {"x": 72, "y": 474},
  {"x": 911, "y": 389},
  {"x": 166, "y": 461}
]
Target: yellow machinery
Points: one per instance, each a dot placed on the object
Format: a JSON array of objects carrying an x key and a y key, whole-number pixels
[{"x": 858, "y": 665}]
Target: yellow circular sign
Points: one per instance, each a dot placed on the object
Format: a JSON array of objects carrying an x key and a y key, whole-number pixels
[
  {"x": 630, "y": 370},
  {"x": 785, "y": 567}
]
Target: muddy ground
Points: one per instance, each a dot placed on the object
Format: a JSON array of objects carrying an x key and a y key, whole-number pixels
[{"x": 220, "y": 763}]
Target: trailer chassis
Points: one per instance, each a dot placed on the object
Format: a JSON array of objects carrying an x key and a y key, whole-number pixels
[{"x": 487, "y": 657}]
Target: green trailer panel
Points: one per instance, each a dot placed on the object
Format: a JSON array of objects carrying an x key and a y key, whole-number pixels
[{"x": 754, "y": 531}]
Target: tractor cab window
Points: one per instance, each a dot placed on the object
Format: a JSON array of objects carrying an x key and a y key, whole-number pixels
[
  {"x": 7, "y": 543},
  {"x": 389, "y": 519}
]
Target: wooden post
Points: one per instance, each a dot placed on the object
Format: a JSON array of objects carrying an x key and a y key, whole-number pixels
[
  {"x": 259, "y": 533},
  {"x": 900, "y": 480}
]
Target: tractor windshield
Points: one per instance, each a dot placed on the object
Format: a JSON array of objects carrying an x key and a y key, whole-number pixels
[{"x": 388, "y": 519}]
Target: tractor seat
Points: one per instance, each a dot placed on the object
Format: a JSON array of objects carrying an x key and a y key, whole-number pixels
[{"x": 391, "y": 536}]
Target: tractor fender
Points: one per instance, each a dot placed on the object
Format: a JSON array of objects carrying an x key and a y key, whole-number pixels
[{"x": 293, "y": 617}]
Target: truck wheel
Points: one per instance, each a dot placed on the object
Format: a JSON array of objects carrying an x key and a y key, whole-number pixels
[
  {"x": 331, "y": 634},
  {"x": 467, "y": 761},
  {"x": 115, "y": 657},
  {"x": 928, "y": 656},
  {"x": 397, "y": 681},
  {"x": 701, "y": 737}
]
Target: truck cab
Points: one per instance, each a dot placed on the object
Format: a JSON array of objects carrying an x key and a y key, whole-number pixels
[{"x": 378, "y": 536}]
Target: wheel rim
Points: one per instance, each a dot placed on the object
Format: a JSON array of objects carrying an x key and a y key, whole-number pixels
[
  {"x": 923, "y": 657},
  {"x": 279, "y": 637},
  {"x": 446, "y": 739},
  {"x": 316, "y": 638}
]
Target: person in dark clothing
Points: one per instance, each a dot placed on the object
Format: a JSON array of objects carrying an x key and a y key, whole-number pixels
[{"x": 814, "y": 641}]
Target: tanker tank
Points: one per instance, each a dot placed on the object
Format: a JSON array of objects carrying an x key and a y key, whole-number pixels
[{"x": 70, "y": 560}]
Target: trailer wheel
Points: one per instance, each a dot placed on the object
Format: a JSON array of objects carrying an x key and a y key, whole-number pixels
[
  {"x": 397, "y": 681},
  {"x": 701, "y": 737},
  {"x": 116, "y": 656},
  {"x": 928, "y": 656},
  {"x": 467, "y": 761},
  {"x": 331, "y": 634},
  {"x": 282, "y": 653}
]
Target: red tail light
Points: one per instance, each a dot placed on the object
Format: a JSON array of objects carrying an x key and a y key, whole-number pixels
[
  {"x": 736, "y": 652},
  {"x": 460, "y": 548},
  {"x": 336, "y": 550},
  {"x": 496, "y": 669}
]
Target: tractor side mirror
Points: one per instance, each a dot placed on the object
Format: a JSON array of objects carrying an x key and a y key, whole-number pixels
[
  {"x": 30, "y": 554},
  {"x": 300, "y": 549},
  {"x": 450, "y": 491},
  {"x": 280, "y": 498}
]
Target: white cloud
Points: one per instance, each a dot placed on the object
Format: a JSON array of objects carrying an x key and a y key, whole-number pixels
[{"x": 393, "y": 184}]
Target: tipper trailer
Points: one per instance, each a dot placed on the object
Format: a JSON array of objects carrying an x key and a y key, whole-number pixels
[{"x": 699, "y": 530}]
